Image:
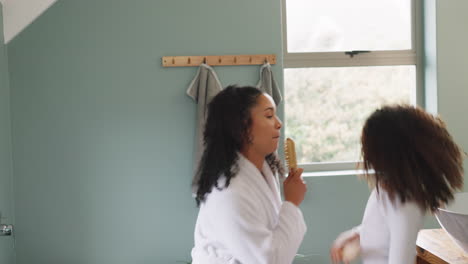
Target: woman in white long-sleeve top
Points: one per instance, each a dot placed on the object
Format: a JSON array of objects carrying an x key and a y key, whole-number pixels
[
  {"x": 242, "y": 218},
  {"x": 417, "y": 168}
]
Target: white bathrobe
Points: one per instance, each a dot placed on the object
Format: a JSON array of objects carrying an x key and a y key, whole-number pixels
[
  {"x": 247, "y": 222},
  {"x": 388, "y": 231}
]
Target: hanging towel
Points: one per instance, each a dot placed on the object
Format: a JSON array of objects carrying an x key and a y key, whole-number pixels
[
  {"x": 268, "y": 84},
  {"x": 202, "y": 89}
]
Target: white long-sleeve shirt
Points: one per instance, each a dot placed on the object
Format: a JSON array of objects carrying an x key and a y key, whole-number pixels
[
  {"x": 389, "y": 230},
  {"x": 247, "y": 222}
]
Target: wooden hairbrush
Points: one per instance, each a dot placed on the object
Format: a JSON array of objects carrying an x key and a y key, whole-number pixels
[{"x": 290, "y": 153}]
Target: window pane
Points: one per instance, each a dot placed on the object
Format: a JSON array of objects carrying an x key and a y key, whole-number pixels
[
  {"x": 326, "y": 107},
  {"x": 343, "y": 25}
]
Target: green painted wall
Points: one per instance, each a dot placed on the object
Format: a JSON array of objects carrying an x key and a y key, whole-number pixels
[
  {"x": 445, "y": 59},
  {"x": 6, "y": 197},
  {"x": 103, "y": 135},
  {"x": 452, "y": 63}
]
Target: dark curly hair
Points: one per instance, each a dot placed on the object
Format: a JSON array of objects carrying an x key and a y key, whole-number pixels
[
  {"x": 413, "y": 155},
  {"x": 226, "y": 131}
]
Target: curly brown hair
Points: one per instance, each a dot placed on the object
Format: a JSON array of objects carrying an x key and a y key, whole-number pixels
[{"x": 413, "y": 156}]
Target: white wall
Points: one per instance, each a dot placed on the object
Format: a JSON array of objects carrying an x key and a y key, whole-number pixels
[{"x": 18, "y": 14}]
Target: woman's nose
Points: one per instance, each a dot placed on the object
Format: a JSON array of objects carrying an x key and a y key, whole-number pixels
[{"x": 278, "y": 123}]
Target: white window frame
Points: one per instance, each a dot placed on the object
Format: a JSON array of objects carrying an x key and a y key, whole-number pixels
[{"x": 374, "y": 58}]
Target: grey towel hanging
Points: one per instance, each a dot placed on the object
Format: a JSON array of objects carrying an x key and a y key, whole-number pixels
[
  {"x": 268, "y": 84},
  {"x": 204, "y": 86}
]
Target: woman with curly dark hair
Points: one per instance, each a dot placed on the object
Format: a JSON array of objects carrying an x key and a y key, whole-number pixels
[
  {"x": 242, "y": 218},
  {"x": 415, "y": 166}
]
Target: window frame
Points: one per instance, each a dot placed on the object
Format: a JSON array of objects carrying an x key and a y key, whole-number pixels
[{"x": 374, "y": 58}]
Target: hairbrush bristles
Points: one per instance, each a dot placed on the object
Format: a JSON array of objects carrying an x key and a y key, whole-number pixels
[{"x": 290, "y": 154}]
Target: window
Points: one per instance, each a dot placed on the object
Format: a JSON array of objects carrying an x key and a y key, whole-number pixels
[{"x": 342, "y": 60}]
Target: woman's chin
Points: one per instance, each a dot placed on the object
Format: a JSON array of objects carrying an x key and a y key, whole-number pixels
[{"x": 273, "y": 150}]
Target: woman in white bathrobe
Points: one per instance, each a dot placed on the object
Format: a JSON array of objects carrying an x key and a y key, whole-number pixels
[
  {"x": 242, "y": 218},
  {"x": 417, "y": 168}
]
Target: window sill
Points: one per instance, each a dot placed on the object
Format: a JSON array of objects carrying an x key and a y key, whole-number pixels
[{"x": 332, "y": 173}]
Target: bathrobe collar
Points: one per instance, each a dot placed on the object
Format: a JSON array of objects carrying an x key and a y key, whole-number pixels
[{"x": 266, "y": 183}]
